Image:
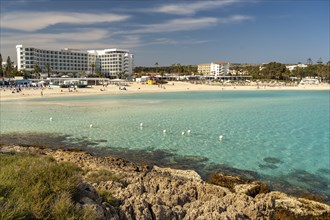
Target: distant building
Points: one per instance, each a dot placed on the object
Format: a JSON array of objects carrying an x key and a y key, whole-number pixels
[
  {"x": 113, "y": 61},
  {"x": 292, "y": 67},
  {"x": 4, "y": 64},
  {"x": 214, "y": 69},
  {"x": 110, "y": 62},
  {"x": 309, "y": 81}
]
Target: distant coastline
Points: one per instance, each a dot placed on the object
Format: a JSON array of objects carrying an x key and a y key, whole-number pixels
[{"x": 8, "y": 94}]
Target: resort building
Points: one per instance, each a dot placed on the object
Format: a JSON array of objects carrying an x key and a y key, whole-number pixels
[
  {"x": 110, "y": 62},
  {"x": 215, "y": 69},
  {"x": 292, "y": 67}
]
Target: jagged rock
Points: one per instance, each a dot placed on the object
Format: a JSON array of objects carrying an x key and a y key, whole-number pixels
[
  {"x": 162, "y": 212},
  {"x": 299, "y": 208},
  {"x": 98, "y": 211},
  {"x": 247, "y": 189},
  {"x": 86, "y": 190},
  {"x": 185, "y": 174}
]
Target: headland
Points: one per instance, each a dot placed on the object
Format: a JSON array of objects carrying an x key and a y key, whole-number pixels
[{"x": 140, "y": 191}]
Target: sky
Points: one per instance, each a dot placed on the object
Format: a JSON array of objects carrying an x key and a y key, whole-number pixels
[{"x": 169, "y": 32}]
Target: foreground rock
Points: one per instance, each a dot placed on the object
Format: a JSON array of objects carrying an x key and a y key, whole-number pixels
[{"x": 143, "y": 192}]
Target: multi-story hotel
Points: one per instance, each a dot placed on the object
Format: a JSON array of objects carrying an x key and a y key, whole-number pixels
[
  {"x": 214, "y": 68},
  {"x": 110, "y": 62}
]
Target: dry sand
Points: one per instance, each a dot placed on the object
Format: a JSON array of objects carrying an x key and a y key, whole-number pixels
[{"x": 6, "y": 94}]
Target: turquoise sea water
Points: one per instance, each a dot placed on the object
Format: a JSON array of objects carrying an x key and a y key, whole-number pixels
[{"x": 280, "y": 135}]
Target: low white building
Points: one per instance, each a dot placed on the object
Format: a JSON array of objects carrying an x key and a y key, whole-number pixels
[
  {"x": 110, "y": 62},
  {"x": 292, "y": 67},
  {"x": 309, "y": 81},
  {"x": 214, "y": 69}
]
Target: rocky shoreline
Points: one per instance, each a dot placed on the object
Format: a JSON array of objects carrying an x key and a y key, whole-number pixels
[{"x": 152, "y": 192}]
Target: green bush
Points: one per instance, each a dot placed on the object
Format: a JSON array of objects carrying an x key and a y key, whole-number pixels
[
  {"x": 100, "y": 176},
  {"x": 37, "y": 187},
  {"x": 106, "y": 196}
]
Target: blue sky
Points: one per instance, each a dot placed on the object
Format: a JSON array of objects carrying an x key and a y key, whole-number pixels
[{"x": 169, "y": 32}]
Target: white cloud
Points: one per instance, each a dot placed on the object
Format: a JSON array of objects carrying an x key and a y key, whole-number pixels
[
  {"x": 182, "y": 24},
  {"x": 31, "y": 39},
  {"x": 167, "y": 41},
  {"x": 33, "y": 21},
  {"x": 187, "y": 24},
  {"x": 235, "y": 18},
  {"x": 191, "y": 8},
  {"x": 83, "y": 39}
]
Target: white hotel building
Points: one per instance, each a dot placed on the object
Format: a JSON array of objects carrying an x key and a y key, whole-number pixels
[
  {"x": 110, "y": 62},
  {"x": 214, "y": 69}
]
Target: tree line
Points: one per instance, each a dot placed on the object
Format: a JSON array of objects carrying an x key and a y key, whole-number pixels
[
  {"x": 272, "y": 70},
  {"x": 8, "y": 70},
  {"x": 278, "y": 71},
  {"x": 173, "y": 69}
]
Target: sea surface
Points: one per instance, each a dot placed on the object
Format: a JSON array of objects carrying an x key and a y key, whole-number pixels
[{"x": 279, "y": 137}]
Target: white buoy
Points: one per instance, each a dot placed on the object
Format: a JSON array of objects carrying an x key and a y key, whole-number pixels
[
  {"x": 182, "y": 133},
  {"x": 164, "y": 131},
  {"x": 141, "y": 124},
  {"x": 90, "y": 126},
  {"x": 50, "y": 119},
  {"x": 220, "y": 137},
  {"x": 188, "y": 132}
]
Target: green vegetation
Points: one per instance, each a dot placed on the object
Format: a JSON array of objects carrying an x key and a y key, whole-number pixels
[
  {"x": 1, "y": 70},
  {"x": 106, "y": 195},
  {"x": 231, "y": 181},
  {"x": 100, "y": 176},
  {"x": 9, "y": 66},
  {"x": 270, "y": 71},
  {"x": 174, "y": 68},
  {"x": 48, "y": 69},
  {"x": 278, "y": 71},
  {"x": 226, "y": 181},
  {"x": 37, "y": 187}
]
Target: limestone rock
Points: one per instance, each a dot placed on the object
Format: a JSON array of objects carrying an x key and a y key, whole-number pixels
[
  {"x": 164, "y": 193},
  {"x": 185, "y": 174}
]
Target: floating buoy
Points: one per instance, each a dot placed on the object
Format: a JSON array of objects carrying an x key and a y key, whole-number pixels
[
  {"x": 141, "y": 124},
  {"x": 90, "y": 126},
  {"x": 50, "y": 119},
  {"x": 188, "y": 132},
  {"x": 182, "y": 133},
  {"x": 220, "y": 137},
  {"x": 164, "y": 131}
]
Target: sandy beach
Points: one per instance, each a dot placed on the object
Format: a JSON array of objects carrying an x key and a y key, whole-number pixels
[{"x": 8, "y": 94}]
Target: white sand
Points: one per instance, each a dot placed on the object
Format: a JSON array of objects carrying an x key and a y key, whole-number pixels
[{"x": 143, "y": 88}]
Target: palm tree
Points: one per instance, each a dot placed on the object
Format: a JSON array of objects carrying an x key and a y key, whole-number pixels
[
  {"x": 9, "y": 66},
  {"x": 92, "y": 65},
  {"x": 48, "y": 69},
  {"x": 309, "y": 61},
  {"x": 1, "y": 70},
  {"x": 156, "y": 64},
  {"x": 37, "y": 70},
  {"x": 121, "y": 75}
]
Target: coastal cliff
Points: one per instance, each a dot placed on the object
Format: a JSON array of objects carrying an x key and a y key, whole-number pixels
[{"x": 118, "y": 189}]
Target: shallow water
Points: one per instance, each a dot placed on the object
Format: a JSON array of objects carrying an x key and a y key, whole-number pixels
[{"x": 281, "y": 135}]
